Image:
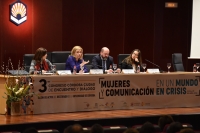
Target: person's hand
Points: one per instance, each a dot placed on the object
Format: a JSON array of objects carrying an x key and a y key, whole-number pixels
[
  {"x": 136, "y": 59},
  {"x": 84, "y": 62},
  {"x": 81, "y": 71},
  {"x": 109, "y": 71},
  {"x": 43, "y": 71},
  {"x": 35, "y": 72},
  {"x": 118, "y": 70}
]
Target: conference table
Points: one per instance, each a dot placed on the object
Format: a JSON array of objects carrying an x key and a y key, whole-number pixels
[{"x": 95, "y": 92}]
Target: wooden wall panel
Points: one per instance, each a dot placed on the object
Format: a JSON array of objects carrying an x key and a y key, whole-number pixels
[
  {"x": 1, "y": 55},
  {"x": 47, "y": 25},
  {"x": 120, "y": 25},
  {"x": 78, "y": 25},
  {"x": 139, "y": 27},
  {"x": 109, "y": 26},
  {"x": 15, "y": 40},
  {"x": 176, "y": 31}
]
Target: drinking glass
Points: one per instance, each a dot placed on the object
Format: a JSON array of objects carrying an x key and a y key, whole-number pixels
[
  {"x": 198, "y": 64},
  {"x": 144, "y": 65},
  {"x": 35, "y": 71},
  {"x": 168, "y": 66},
  {"x": 53, "y": 68},
  {"x": 82, "y": 69},
  {"x": 115, "y": 67}
]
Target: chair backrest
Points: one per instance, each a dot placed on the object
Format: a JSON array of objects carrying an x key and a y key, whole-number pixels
[
  {"x": 121, "y": 57},
  {"x": 49, "y": 56},
  {"x": 27, "y": 61},
  {"x": 177, "y": 62},
  {"x": 89, "y": 57},
  {"x": 59, "y": 58}
]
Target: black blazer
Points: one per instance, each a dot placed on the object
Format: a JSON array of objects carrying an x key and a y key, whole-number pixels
[
  {"x": 97, "y": 62},
  {"x": 124, "y": 65}
]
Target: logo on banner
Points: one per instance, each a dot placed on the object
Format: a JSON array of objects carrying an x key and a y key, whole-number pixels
[
  {"x": 18, "y": 12},
  {"x": 87, "y": 105}
]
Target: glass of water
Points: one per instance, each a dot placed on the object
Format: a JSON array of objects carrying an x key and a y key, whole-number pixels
[
  {"x": 82, "y": 69},
  {"x": 115, "y": 67},
  {"x": 198, "y": 64},
  {"x": 53, "y": 68},
  {"x": 144, "y": 65},
  {"x": 168, "y": 66}
]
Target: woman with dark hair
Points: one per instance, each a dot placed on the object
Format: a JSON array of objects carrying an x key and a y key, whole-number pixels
[
  {"x": 132, "y": 61},
  {"x": 40, "y": 62}
]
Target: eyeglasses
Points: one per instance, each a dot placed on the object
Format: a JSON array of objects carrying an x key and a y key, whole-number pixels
[{"x": 135, "y": 54}]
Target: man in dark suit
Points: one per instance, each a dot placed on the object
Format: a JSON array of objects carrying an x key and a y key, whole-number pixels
[{"x": 103, "y": 61}]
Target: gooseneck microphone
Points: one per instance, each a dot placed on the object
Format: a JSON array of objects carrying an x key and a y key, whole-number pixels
[
  {"x": 152, "y": 63},
  {"x": 161, "y": 71}
]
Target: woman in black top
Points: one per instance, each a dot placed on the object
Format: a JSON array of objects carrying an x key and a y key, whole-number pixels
[{"x": 132, "y": 61}]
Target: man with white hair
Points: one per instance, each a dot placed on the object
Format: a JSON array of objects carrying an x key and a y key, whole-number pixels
[{"x": 103, "y": 61}]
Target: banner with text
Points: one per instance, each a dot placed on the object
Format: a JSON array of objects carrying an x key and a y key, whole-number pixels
[{"x": 73, "y": 93}]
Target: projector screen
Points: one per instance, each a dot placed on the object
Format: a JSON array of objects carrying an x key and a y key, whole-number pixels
[{"x": 195, "y": 36}]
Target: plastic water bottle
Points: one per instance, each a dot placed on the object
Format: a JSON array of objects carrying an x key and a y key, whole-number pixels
[
  {"x": 74, "y": 70},
  {"x": 138, "y": 69},
  {"x": 194, "y": 68}
]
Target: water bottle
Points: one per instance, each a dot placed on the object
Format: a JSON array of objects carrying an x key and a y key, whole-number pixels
[
  {"x": 74, "y": 70},
  {"x": 138, "y": 69},
  {"x": 194, "y": 68}
]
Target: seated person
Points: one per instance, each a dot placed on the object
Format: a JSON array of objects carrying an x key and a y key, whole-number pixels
[
  {"x": 40, "y": 62},
  {"x": 164, "y": 120},
  {"x": 103, "y": 61},
  {"x": 76, "y": 60},
  {"x": 147, "y": 127},
  {"x": 174, "y": 127},
  {"x": 132, "y": 61}
]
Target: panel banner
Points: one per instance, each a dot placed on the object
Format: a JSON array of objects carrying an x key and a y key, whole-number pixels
[{"x": 71, "y": 93}]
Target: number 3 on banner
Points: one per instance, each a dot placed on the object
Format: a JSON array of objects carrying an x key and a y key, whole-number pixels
[{"x": 43, "y": 85}]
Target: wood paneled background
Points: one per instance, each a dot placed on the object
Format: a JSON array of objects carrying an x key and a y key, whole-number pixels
[{"x": 120, "y": 25}]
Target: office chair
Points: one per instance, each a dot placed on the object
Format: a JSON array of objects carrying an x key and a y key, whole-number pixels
[
  {"x": 177, "y": 62},
  {"x": 121, "y": 57},
  {"x": 59, "y": 58},
  {"x": 27, "y": 61}
]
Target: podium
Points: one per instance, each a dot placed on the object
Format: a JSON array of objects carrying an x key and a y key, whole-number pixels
[{"x": 2, "y": 93}]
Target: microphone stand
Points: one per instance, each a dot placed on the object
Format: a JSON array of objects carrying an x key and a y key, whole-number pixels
[
  {"x": 41, "y": 67},
  {"x": 103, "y": 65}
]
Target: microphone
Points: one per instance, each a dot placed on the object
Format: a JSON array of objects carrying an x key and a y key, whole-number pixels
[
  {"x": 41, "y": 66},
  {"x": 161, "y": 71}
]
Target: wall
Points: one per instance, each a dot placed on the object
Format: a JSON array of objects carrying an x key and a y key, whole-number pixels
[{"x": 121, "y": 25}]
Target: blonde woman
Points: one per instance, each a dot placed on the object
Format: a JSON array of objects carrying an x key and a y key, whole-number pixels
[{"x": 76, "y": 60}]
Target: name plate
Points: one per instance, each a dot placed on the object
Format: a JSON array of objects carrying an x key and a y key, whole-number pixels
[
  {"x": 128, "y": 71},
  {"x": 153, "y": 71},
  {"x": 96, "y": 71},
  {"x": 64, "y": 72}
]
